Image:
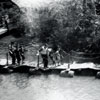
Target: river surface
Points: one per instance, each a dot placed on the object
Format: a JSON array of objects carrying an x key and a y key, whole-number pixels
[{"x": 51, "y": 87}]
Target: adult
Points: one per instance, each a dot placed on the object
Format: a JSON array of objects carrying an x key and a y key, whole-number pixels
[
  {"x": 17, "y": 53},
  {"x": 51, "y": 55},
  {"x": 44, "y": 54},
  {"x": 22, "y": 55},
  {"x": 12, "y": 52}
]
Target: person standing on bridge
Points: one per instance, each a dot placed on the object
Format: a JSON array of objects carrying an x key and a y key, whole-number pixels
[
  {"x": 17, "y": 53},
  {"x": 22, "y": 53},
  {"x": 51, "y": 55},
  {"x": 58, "y": 56},
  {"x": 12, "y": 52},
  {"x": 44, "y": 54}
]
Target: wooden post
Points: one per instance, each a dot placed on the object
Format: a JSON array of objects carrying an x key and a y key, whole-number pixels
[
  {"x": 38, "y": 62},
  {"x": 38, "y": 59},
  {"x": 7, "y": 58},
  {"x": 69, "y": 61}
]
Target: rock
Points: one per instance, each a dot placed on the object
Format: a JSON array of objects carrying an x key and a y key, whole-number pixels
[
  {"x": 67, "y": 73},
  {"x": 70, "y": 73},
  {"x": 98, "y": 75}
]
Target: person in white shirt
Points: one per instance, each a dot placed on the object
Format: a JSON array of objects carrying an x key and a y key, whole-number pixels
[{"x": 44, "y": 54}]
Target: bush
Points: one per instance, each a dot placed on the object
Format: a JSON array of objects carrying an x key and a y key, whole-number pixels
[{"x": 70, "y": 25}]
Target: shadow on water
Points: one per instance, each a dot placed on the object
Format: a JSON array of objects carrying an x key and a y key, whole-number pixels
[
  {"x": 1, "y": 79},
  {"x": 21, "y": 80},
  {"x": 21, "y": 86}
]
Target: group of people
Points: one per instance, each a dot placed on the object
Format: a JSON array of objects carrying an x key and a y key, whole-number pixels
[
  {"x": 16, "y": 52},
  {"x": 47, "y": 53}
]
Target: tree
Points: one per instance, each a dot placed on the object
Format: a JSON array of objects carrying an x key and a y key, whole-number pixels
[{"x": 70, "y": 24}]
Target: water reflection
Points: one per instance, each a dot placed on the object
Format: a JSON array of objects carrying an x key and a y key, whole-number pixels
[
  {"x": 51, "y": 87},
  {"x": 1, "y": 79},
  {"x": 21, "y": 80}
]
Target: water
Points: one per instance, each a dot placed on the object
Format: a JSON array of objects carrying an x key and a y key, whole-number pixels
[{"x": 51, "y": 87}]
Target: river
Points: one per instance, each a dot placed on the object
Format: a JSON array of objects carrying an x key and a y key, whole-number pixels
[{"x": 48, "y": 87}]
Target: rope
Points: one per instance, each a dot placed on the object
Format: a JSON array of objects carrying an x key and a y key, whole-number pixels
[
  {"x": 79, "y": 53},
  {"x": 82, "y": 53},
  {"x": 82, "y": 58},
  {"x": 86, "y": 58}
]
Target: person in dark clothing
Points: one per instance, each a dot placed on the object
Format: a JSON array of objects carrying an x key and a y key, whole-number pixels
[
  {"x": 12, "y": 52},
  {"x": 22, "y": 51},
  {"x": 51, "y": 55},
  {"x": 44, "y": 54},
  {"x": 45, "y": 60},
  {"x": 17, "y": 53}
]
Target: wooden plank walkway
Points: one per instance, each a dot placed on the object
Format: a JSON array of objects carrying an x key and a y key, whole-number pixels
[
  {"x": 64, "y": 66},
  {"x": 78, "y": 66}
]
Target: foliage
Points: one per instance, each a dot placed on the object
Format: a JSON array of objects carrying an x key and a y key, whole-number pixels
[
  {"x": 15, "y": 23},
  {"x": 69, "y": 24}
]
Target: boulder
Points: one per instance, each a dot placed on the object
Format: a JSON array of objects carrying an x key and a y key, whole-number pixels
[
  {"x": 98, "y": 75},
  {"x": 67, "y": 73}
]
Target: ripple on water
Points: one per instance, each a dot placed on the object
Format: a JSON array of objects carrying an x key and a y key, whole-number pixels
[{"x": 51, "y": 87}]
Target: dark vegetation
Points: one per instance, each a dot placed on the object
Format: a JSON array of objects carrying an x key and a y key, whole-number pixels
[
  {"x": 73, "y": 25},
  {"x": 10, "y": 18}
]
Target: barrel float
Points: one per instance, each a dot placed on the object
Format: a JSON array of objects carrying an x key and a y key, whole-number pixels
[
  {"x": 67, "y": 73},
  {"x": 98, "y": 75},
  {"x": 70, "y": 73}
]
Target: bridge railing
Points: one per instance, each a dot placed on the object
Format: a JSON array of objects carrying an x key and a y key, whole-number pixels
[{"x": 81, "y": 57}]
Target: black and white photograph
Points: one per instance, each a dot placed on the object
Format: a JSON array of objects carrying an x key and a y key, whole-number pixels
[{"x": 49, "y": 49}]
